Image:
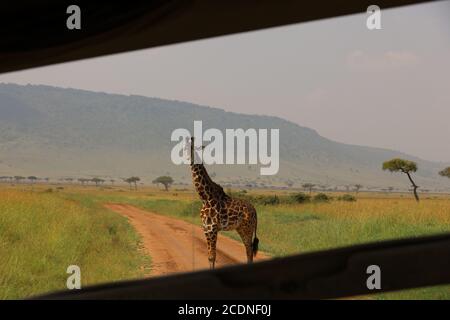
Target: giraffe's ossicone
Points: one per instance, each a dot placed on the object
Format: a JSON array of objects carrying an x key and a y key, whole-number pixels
[{"x": 222, "y": 212}]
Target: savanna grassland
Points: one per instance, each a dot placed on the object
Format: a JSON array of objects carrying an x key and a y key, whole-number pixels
[{"x": 43, "y": 232}]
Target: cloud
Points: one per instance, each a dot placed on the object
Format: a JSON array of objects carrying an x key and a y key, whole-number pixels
[{"x": 362, "y": 61}]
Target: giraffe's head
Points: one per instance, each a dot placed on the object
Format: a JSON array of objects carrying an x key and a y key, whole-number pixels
[{"x": 191, "y": 152}]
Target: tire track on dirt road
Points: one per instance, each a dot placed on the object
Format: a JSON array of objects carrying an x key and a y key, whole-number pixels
[{"x": 176, "y": 245}]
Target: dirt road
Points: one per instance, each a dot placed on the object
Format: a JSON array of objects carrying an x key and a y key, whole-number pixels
[{"x": 178, "y": 246}]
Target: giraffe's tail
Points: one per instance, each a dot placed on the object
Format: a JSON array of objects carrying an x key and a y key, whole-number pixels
[
  {"x": 255, "y": 246},
  {"x": 255, "y": 241}
]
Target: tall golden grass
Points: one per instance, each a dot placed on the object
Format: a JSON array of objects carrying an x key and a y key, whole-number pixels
[{"x": 41, "y": 234}]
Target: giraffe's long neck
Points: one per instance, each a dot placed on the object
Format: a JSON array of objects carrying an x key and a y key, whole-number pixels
[
  {"x": 203, "y": 184},
  {"x": 206, "y": 188}
]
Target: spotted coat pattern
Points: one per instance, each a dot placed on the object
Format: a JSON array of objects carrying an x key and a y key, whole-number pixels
[{"x": 222, "y": 212}]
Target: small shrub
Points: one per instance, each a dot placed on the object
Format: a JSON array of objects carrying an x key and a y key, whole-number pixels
[
  {"x": 347, "y": 197},
  {"x": 321, "y": 197},
  {"x": 112, "y": 230},
  {"x": 241, "y": 193},
  {"x": 301, "y": 197},
  {"x": 243, "y": 196},
  {"x": 269, "y": 200},
  {"x": 49, "y": 190}
]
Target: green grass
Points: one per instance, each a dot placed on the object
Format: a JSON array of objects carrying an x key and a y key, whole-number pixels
[
  {"x": 41, "y": 234},
  {"x": 72, "y": 227},
  {"x": 291, "y": 229},
  {"x": 287, "y": 230},
  {"x": 185, "y": 209}
]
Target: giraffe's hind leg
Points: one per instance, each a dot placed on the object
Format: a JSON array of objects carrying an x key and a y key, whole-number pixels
[
  {"x": 211, "y": 241},
  {"x": 246, "y": 233}
]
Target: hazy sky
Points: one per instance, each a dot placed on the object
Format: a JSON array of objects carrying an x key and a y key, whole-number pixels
[{"x": 385, "y": 88}]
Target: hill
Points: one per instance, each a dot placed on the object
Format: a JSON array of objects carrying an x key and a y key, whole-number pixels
[{"x": 50, "y": 131}]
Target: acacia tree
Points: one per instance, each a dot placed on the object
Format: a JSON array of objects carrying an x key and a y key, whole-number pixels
[
  {"x": 19, "y": 178},
  {"x": 127, "y": 180},
  {"x": 445, "y": 172},
  {"x": 97, "y": 181},
  {"x": 357, "y": 187},
  {"x": 403, "y": 166},
  {"x": 32, "y": 180},
  {"x": 166, "y": 181},
  {"x": 132, "y": 180},
  {"x": 135, "y": 181},
  {"x": 308, "y": 186}
]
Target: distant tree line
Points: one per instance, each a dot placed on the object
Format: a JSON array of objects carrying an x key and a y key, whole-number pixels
[
  {"x": 406, "y": 167},
  {"x": 22, "y": 179}
]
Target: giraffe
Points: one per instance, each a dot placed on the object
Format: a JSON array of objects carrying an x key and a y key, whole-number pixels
[{"x": 221, "y": 212}]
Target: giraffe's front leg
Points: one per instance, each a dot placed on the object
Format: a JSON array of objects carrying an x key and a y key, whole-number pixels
[{"x": 211, "y": 241}]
